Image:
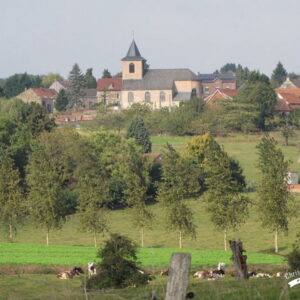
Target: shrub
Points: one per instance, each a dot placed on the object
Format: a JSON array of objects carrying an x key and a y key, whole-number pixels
[
  {"x": 118, "y": 267},
  {"x": 293, "y": 258}
]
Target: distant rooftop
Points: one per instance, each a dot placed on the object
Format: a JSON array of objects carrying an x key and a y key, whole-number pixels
[{"x": 212, "y": 77}]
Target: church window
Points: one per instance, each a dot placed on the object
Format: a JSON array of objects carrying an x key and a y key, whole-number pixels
[
  {"x": 147, "y": 96},
  {"x": 131, "y": 68},
  {"x": 130, "y": 97},
  {"x": 162, "y": 96}
]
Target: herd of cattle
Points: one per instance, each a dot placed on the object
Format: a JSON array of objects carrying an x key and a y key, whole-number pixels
[{"x": 204, "y": 274}]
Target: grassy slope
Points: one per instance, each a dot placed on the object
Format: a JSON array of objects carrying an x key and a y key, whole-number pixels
[
  {"x": 33, "y": 254},
  {"x": 49, "y": 287}
]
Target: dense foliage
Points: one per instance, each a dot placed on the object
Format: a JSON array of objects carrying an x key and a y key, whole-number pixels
[{"x": 118, "y": 267}]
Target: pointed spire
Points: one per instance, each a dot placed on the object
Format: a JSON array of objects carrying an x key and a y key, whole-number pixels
[{"x": 133, "y": 53}]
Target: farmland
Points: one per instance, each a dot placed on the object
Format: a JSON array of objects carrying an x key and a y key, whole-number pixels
[{"x": 34, "y": 254}]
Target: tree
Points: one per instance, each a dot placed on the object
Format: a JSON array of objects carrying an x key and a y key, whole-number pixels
[
  {"x": 137, "y": 180},
  {"x": 93, "y": 195},
  {"x": 17, "y": 83},
  {"x": 118, "y": 75},
  {"x": 50, "y": 169},
  {"x": 48, "y": 79},
  {"x": 119, "y": 266},
  {"x": 263, "y": 97},
  {"x": 11, "y": 197},
  {"x": 278, "y": 76},
  {"x": 106, "y": 74},
  {"x": 179, "y": 182},
  {"x": 287, "y": 129},
  {"x": 90, "y": 80},
  {"x": 227, "y": 207},
  {"x": 138, "y": 131},
  {"x": 61, "y": 101},
  {"x": 274, "y": 198},
  {"x": 76, "y": 88}
]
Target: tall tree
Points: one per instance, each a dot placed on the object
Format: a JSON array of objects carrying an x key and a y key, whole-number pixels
[
  {"x": 179, "y": 182},
  {"x": 138, "y": 131},
  {"x": 93, "y": 195},
  {"x": 263, "y": 97},
  {"x": 278, "y": 76},
  {"x": 227, "y": 207},
  {"x": 136, "y": 176},
  {"x": 275, "y": 201},
  {"x": 76, "y": 88},
  {"x": 89, "y": 79},
  {"x": 12, "y": 208},
  {"x": 17, "y": 83},
  {"x": 106, "y": 74},
  {"x": 50, "y": 168},
  {"x": 48, "y": 79},
  {"x": 61, "y": 101}
]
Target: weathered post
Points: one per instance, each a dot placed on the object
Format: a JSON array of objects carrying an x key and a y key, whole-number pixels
[
  {"x": 178, "y": 276},
  {"x": 239, "y": 259}
]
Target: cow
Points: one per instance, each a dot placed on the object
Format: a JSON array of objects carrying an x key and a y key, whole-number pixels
[
  {"x": 92, "y": 269},
  {"x": 70, "y": 274}
]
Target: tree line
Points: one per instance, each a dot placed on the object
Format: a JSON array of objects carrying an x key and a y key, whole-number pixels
[{"x": 49, "y": 173}]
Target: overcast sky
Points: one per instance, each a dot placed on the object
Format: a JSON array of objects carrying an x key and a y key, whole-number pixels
[{"x": 42, "y": 36}]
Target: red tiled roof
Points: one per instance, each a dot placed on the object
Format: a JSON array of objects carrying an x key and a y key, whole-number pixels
[
  {"x": 282, "y": 106},
  {"x": 44, "y": 93},
  {"x": 109, "y": 84},
  {"x": 288, "y": 91},
  {"x": 291, "y": 98},
  {"x": 229, "y": 92}
]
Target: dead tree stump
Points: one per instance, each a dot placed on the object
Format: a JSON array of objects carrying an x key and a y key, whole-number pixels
[
  {"x": 178, "y": 276},
  {"x": 239, "y": 259}
]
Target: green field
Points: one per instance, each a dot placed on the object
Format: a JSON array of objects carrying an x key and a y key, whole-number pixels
[
  {"x": 36, "y": 287},
  {"x": 34, "y": 254}
]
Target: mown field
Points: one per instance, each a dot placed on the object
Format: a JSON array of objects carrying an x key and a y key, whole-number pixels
[
  {"x": 34, "y": 254},
  {"x": 36, "y": 287}
]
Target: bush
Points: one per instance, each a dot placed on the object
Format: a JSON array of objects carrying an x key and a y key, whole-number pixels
[
  {"x": 293, "y": 258},
  {"x": 118, "y": 267}
]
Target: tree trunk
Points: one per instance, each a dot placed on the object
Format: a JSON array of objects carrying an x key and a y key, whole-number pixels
[
  {"x": 225, "y": 239},
  {"x": 95, "y": 240},
  {"x": 286, "y": 138},
  {"x": 142, "y": 237},
  {"x": 276, "y": 241},
  {"x": 239, "y": 259},
  {"x": 180, "y": 240},
  {"x": 47, "y": 237},
  {"x": 10, "y": 231}
]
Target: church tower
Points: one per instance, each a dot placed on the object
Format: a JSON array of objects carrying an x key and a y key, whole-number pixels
[{"x": 133, "y": 63}]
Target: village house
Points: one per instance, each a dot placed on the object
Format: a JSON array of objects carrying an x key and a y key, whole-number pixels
[
  {"x": 44, "y": 97},
  {"x": 165, "y": 87},
  {"x": 220, "y": 94},
  {"x": 109, "y": 91}
]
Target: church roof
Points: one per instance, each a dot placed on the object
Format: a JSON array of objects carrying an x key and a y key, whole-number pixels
[
  {"x": 159, "y": 79},
  {"x": 133, "y": 53}
]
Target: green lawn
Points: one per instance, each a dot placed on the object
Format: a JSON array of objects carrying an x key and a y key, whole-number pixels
[
  {"x": 36, "y": 287},
  {"x": 35, "y": 254}
]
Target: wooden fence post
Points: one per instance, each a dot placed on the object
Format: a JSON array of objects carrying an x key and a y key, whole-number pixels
[
  {"x": 239, "y": 259},
  {"x": 178, "y": 276}
]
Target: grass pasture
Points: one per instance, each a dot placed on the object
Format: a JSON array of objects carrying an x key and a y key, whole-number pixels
[
  {"x": 36, "y": 287},
  {"x": 35, "y": 254}
]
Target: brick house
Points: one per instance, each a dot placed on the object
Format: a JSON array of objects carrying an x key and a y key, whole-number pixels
[
  {"x": 42, "y": 96},
  {"x": 109, "y": 90},
  {"x": 287, "y": 99},
  {"x": 220, "y": 94}
]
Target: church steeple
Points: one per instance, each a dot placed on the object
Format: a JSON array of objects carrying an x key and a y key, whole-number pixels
[
  {"x": 133, "y": 53},
  {"x": 133, "y": 63}
]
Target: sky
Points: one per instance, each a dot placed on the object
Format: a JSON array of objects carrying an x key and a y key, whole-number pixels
[{"x": 42, "y": 36}]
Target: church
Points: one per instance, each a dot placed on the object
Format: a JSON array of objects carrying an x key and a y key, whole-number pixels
[{"x": 159, "y": 87}]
